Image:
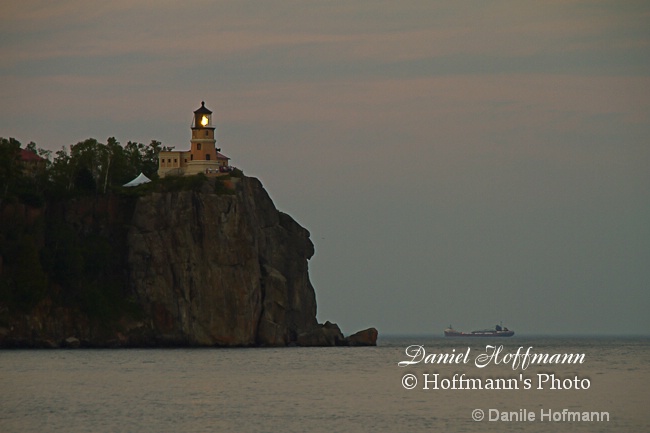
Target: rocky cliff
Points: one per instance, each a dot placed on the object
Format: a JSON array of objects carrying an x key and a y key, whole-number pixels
[{"x": 213, "y": 265}]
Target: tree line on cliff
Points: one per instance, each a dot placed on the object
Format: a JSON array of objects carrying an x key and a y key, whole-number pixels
[{"x": 86, "y": 168}]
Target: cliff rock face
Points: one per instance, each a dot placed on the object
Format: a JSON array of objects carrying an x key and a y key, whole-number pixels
[
  {"x": 200, "y": 268},
  {"x": 221, "y": 269}
]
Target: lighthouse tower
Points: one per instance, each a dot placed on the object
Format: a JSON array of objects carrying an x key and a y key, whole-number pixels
[{"x": 203, "y": 141}]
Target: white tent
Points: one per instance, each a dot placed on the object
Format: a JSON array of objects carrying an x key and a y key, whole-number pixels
[{"x": 138, "y": 180}]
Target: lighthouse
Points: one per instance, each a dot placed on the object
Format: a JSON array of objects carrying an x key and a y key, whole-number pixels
[{"x": 203, "y": 156}]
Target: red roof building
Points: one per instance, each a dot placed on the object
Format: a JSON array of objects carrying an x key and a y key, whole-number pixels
[
  {"x": 30, "y": 157},
  {"x": 31, "y": 162}
]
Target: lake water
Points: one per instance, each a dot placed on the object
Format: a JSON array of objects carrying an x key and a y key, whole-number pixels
[{"x": 321, "y": 389}]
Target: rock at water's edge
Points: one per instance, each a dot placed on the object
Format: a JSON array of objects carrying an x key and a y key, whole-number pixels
[
  {"x": 71, "y": 343},
  {"x": 367, "y": 337},
  {"x": 327, "y": 334}
]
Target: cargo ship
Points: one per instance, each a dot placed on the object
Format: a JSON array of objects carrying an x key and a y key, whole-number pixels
[{"x": 498, "y": 331}]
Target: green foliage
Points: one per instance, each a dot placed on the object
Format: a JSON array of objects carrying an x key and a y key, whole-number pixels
[
  {"x": 220, "y": 186},
  {"x": 10, "y": 167},
  {"x": 86, "y": 168},
  {"x": 61, "y": 175},
  {"x": 84, "y": 181},
  {"x": 182, "y": 183}
]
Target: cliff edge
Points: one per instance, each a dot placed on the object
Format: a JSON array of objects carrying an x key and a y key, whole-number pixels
[{"x": 212, "y": 265}]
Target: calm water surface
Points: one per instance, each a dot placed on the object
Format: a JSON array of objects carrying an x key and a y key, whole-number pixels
[{"x": 313, "y": 389}]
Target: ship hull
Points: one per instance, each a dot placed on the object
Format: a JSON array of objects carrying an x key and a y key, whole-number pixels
[{"x": 479, "y": 334}]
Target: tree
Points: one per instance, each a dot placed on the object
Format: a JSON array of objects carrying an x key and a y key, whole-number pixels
[
  {"x": 112, "y": 149},
  {"x": 61, "y": 172},
  {"x": 10, "y": 166},
  {"x": 144, "y": 159},
  {"x": 31, "y": 147},
  {"x": 84, "y": 181},
  {"x": 86, "y": 157},
  {"x": 150, "y": 158},
  {"x": 133, "y": 153},
  {"x": 87, "y": 166}
]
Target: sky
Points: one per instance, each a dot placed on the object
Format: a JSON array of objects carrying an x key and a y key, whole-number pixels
[{"x": 456, "y": 162}]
